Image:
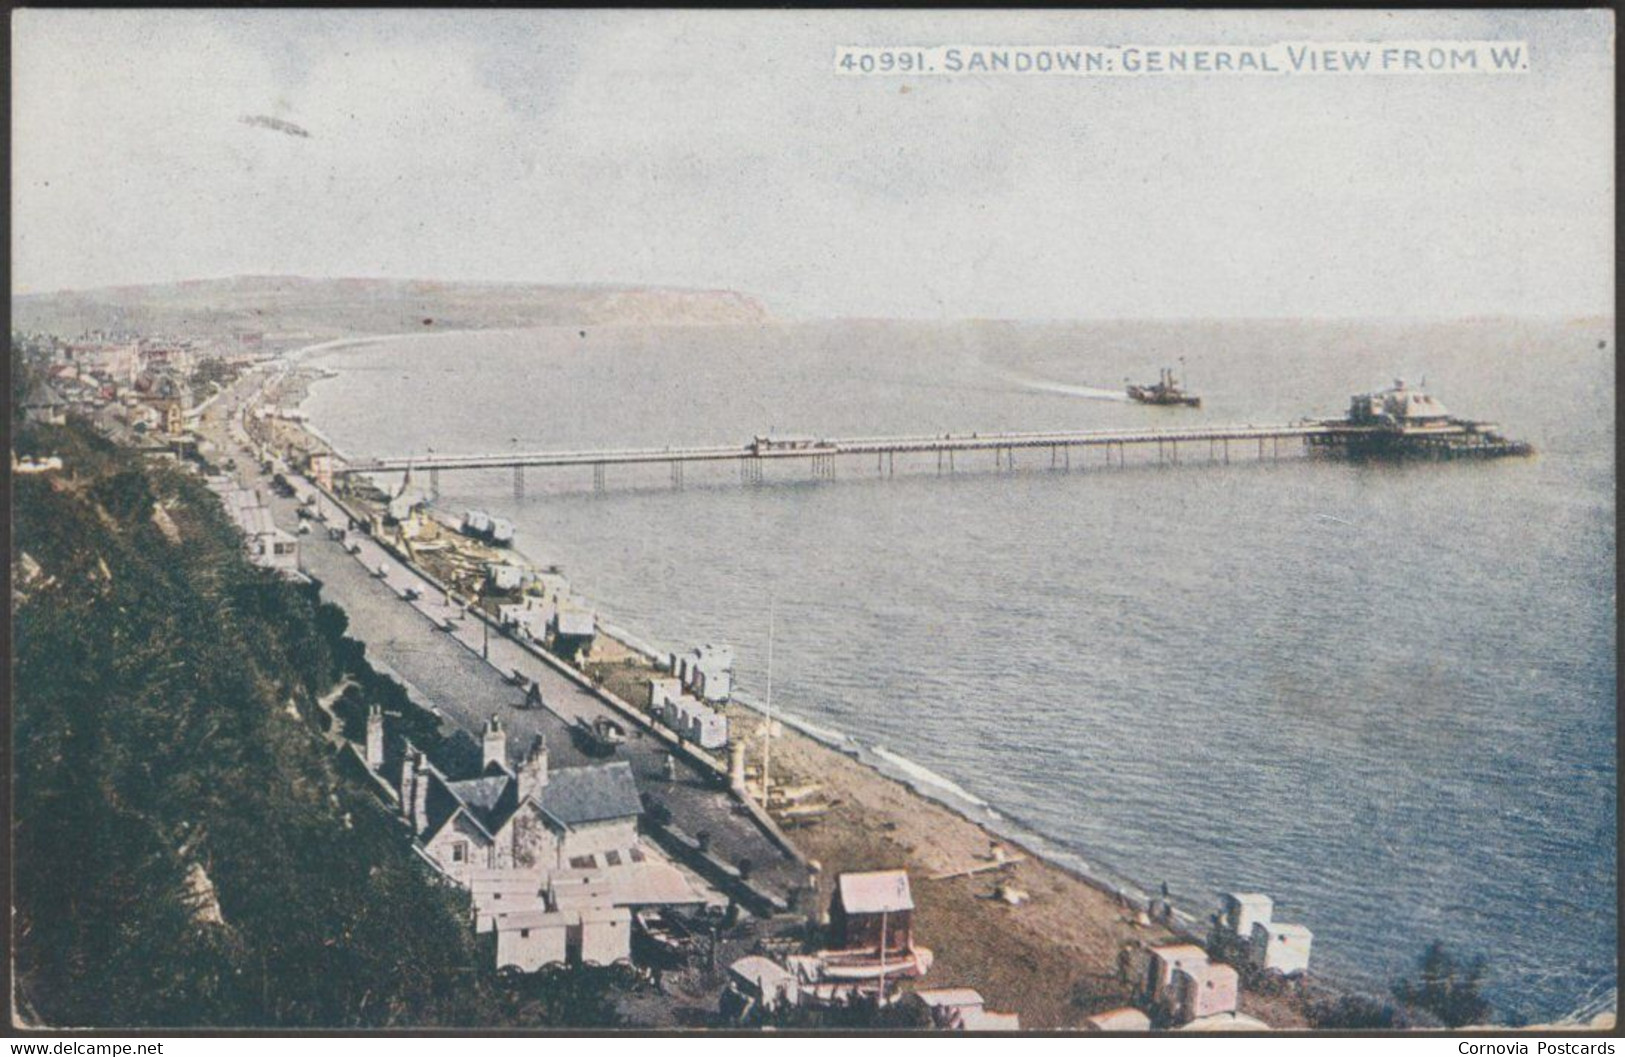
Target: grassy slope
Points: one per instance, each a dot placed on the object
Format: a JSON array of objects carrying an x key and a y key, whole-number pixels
[{"x": 163, "y": 721}]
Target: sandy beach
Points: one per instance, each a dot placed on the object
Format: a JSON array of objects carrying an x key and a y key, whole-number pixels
[{"x": 1052, "y": 959}]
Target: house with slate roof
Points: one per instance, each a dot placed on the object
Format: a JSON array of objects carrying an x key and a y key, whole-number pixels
[
  {"x": 44, "y": 404},
  {"x": 519, "y": 817}
]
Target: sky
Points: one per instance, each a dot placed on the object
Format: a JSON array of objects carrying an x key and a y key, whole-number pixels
[{"x": 720, "y": 150}]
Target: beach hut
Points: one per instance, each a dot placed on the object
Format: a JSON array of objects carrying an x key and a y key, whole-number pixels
[
  {"x": 1203, "y": 991},
  {"x": 663, "y": 691},
  {"x": 530, "y": 939},
  {"x": 707, "y": 672},
  {"x": 1242, "y": 910},
  {"x": 1281, "y": 948},
  {"x": 1225, "y": 1022},
  {"x": 959, "y": 1009},
  {"x": 606, "y": 935},
  {"x": 504, "y": 577},
  {"x": 873, "y": 909},
  {"x": 695, "y": 721},
  {"x": 764, "y": 983},
  {"x": 573, "y": 631},
  {"x": 1164, "y": 962}
]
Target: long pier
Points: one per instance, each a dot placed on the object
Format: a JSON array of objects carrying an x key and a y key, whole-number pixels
[
  {"x": 1457, "y": 439},
  {"x": 779, "y": 448}
]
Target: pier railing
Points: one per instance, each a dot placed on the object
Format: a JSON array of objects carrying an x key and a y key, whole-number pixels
[{"x": 826, "y": 448}]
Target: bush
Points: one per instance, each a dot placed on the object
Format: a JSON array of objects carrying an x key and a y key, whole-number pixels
[
  {"x": 1353, "y": 1013},
  {"x": 152, "y": 697},
  {"x": 1446, "y": 987}
]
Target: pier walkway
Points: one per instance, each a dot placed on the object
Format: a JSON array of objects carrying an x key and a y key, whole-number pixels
[
  {"x": 822, "y": 453},
  {"x": 799, "y": 448},
  {"x": 1435, "y": 439}
]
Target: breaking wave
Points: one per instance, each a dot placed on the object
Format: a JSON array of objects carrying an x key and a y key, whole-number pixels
[{"x": 929, "y": 777}]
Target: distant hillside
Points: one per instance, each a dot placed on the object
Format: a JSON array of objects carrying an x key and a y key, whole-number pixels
[{"x": 341, "y": 307}]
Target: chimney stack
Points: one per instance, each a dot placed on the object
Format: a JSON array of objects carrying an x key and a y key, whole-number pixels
[
  {"x": 533, "y": 772},
  {"x": 420, "y": 794},
  {"x": 409, "y": 776},
  {"x": 494, "y": 745},
  {"x": 375, "y": 738}
]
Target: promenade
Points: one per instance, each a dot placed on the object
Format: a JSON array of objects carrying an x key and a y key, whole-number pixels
[{"x": 445, "y": 672}]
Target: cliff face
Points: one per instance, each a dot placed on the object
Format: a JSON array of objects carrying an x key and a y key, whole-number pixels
[{"x": 342, "y": 307}]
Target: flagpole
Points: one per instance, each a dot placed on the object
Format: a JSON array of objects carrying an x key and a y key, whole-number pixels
[{"x": 767, "y": 741}]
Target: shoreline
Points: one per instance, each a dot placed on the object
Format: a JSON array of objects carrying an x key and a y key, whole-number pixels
[{"x": 1081, "y": 896}]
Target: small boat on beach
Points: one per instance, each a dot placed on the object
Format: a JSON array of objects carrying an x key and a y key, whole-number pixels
[
  {"x": 664, "y": 935},
  {"x": 601, "y": 736}
]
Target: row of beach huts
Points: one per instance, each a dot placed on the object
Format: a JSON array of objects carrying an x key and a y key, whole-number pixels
[{"x": 1184, "y": 986}]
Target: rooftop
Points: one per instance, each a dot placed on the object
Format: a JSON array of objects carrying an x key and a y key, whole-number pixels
[
  {"x": 1226, "y": 1022},
  {"x": 1125, "y": 1019},
  {"x": 1212, "y": 972},
  {"x": 950, "y": 996},
  {"x": 578, "y": 795},
  {"x": 761, "y": 973},
  {"x": 877, "y": 892},
  {"x": 1286, "y": 931}
]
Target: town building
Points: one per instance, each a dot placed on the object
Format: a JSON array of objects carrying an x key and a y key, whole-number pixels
[
  {"x": 44, "y": 405},
  {"x": 580, "y": 927},
  {"x": 267, "y": 545},
  {"x": 641, "y": 880},
  {"x": 31, "y": 465},
  {"x": 520, "y": 816}
]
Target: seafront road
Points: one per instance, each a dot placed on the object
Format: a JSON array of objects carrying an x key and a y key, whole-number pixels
[{"x": 445, "y": 671}]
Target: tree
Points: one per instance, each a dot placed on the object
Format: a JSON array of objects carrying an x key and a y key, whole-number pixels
[
  {"x": 1446, "y": 987},
  {"x": 1354, "y": 1013}
]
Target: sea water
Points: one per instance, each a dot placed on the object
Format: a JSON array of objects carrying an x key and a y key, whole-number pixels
[{"x": 1383, "y": 694}]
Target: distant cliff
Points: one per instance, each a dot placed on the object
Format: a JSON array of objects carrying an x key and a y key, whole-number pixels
[{"x": 339, "y": 307}]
